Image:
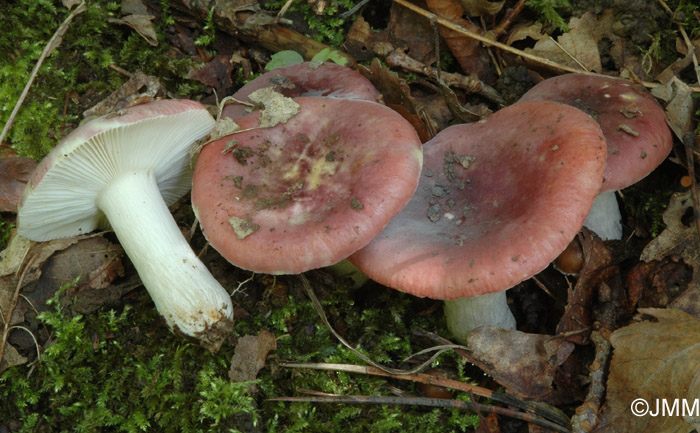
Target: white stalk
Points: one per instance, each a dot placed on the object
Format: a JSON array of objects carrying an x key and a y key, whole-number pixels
[
  {"x": 465, "y": 314},
  {"x": 604, "y": 218},
  {"x": 190, "y": 299}
]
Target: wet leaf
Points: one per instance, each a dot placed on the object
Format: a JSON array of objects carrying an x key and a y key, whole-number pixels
[
  {"x": 250, "y": 355},
  {"x": 655, "y": 361},
  {"x": 215, "y": 74},
  {"x": 523, "y": 363},
  {"x": 14, "y": 174}
]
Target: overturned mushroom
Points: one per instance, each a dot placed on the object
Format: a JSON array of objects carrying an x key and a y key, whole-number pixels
[
  {"x": 309, "y": 192},
  {"x": 122, "y": 171},
  {"x": 497, "y": 201},
  {"x": 635, "y": 129}
]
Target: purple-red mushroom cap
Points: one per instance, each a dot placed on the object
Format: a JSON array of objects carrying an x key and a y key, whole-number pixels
[
  {"x": 306, "y": 193},
  {"x": 306, "y": 79},
  {"x": 497, "y": 201},
  {"x": 633, "y": 123}
]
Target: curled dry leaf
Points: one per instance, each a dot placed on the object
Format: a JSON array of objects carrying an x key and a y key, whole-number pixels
[
  {"x": 679, "y": 239},
  {"x": 523, "y": 363},
  {"x": 250, "y": 355},
  {"x": 139, "y": 88},
  {"x": 679, "y": 105},
  {"x": 655, "y": 361}
]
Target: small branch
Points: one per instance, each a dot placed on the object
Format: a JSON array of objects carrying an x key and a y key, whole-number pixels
[
  {"x": 430, "y": 402},
  {"x": 54, "y": 42},
  {"x": 586, "y": 416}
]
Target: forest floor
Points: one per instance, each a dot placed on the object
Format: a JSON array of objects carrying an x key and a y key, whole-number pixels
[{"x": 82, "y": 347}]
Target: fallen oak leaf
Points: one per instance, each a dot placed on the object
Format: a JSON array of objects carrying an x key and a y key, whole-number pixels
[{"x": 658, "y": 362}]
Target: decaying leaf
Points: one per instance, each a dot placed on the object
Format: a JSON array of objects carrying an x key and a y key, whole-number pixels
[
  {"x": 139, "y": 88},
  {"x": 137, "y": 17},
  {"x": 10, "y": 358},
  {"x": 577, "y": 49},
  {"x": 523, "y": 363},
  {"x": 577, "y": 318},
  {"x": 679, "y": 239},
  {"x": 278, "y": 108},
  {"x": 250, "y": 355},
  {"x": 223, "y": 127},
  {"x": 679, "y": 105},
  {"x": 14, "y": 174},
  {"x": 470, "y": 54},
  {"x": 658, "y": 362},
  {"x": 477, "y": 8},
  {"x": 216, "y": 74}
]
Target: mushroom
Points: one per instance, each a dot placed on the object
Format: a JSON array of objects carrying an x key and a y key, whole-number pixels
[
  {"x": 497, "y": 201},
  {"x": 306, "y": 193},
  {"x": 123, "y": 170},
  {"x": 635, "y": 129},
  {"x": 306, "y": 79}
]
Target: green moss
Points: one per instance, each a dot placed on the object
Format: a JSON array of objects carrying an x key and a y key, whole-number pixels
[
  {"x": 329, "y": 26},
  {"x": 78, "y": 73},
  {"x": 118, "y": 371}
]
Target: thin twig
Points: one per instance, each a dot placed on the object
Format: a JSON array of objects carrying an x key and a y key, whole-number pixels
[
  {"x": 431, "y": 402},
  {"x": 538, "y": 409},
  {"x": 54, "y": 42}
]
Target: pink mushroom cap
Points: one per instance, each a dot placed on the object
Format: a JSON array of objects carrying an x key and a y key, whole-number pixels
[
  {"x": 633, "y": 122},
  {"x": 497, "y": 201},
  {"x": 307, "y": 79},
  {"x": 307, "y": 193}
]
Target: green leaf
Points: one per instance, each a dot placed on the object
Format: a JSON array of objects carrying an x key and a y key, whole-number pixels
[
  {"x": 327, "y": 54},
  {"x": 283, "y": 58}
]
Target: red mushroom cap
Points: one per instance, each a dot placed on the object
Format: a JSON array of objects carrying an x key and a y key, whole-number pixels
[
  {"x": 497, "y": 201},
  {"x": 309, "y": 192},
  {"x": 307, "y": 79},
  {"x": 633, "y": 122}
]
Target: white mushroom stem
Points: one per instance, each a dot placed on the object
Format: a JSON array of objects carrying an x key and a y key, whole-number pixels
[
  {"x": 465, "y": 314},
  {"x": 604, "y": 218},
  {"x": 190, "y": 299}
]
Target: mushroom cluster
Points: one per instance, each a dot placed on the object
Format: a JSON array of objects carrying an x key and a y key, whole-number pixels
[{"x": 469, "y": 214}]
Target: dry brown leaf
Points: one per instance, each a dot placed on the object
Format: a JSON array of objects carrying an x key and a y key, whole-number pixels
[
  {"x": 679, "y": 105},
  {"x": 140, "y": 87},
  {"x": 523, "y": 363},
  {"x": 679, "y": 239},
  {"x": 11, "y": 358},
  {"x": 576, "y": 49},
  {"x": 477, "y": 8},
  {"x": 278, "y": 108},
  {"x": 14, "y": 174},
  {"x": 215, "y": 74},
  {"x": 250, "y": 355},
  {"x": 135, "y": 15},
  {"x": 655, "y": 361},
  {"x": 471, "y": 56}
]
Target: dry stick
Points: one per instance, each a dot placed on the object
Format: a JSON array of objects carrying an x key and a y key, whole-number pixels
[
  {"x": 319, "y": 310},
  {"x": 54, "y": 42},
  {"x": 586, "y": 416},
  {"x": 431, "y": 402},
  {"x": 536, "y": 408}
]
